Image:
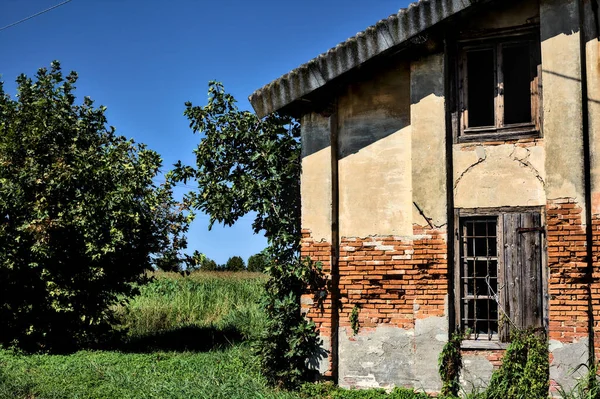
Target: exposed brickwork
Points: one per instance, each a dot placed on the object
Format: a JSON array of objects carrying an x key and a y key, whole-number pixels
[
  {"x": 320, "y": 312},
  {"x": 394, "y": 280},
  {"x": 568, "y": 283},
  {"x": 595, "y": 289}
]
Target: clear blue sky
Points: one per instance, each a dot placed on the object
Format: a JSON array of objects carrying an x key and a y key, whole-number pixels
[{"x": 144, "y": 58}]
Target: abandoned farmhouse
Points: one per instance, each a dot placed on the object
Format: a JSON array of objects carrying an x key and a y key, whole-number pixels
[{"x": 451, "y": 181}]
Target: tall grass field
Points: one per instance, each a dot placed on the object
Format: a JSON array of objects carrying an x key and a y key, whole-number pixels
[{"x": 188, "y": 337}]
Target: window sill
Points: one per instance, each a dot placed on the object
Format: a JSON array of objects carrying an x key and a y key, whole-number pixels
[
  {"x": 483, "y": 345},
  {"x": 499, "y": 134}
]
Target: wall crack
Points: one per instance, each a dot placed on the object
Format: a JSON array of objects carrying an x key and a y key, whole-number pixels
[
  {"x": 523, "y": 160},
  {"x": 480, "y": 159}
]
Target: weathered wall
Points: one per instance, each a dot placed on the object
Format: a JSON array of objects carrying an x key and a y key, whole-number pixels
[
  {"x": 428, "y": 140},
  {"x": 565, "y": 188},
  {"x": 316, "y": 178},
  {"x": 375, "y": 153},
  {"x": 592, "y": 50},
  {"x": 398, "y": 278},
  {"x": 317, "y": 192},
  {"x": 499, "y": 174},
  {"x": 504, "y": 14},
  {"x": 400, "y": 285}
]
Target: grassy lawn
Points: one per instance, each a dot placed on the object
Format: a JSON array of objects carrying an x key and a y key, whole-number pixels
[
  {"x": 229, "y": 373},
  {"x": 188, "y": 338}
]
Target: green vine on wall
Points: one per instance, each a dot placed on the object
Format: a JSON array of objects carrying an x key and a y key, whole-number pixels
[
  {"x": 354, "y": 322},
  {"x": 450, "y": 364}
]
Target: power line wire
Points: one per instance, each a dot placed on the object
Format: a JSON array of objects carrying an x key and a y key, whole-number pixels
[{"x": 34, "y": 15}]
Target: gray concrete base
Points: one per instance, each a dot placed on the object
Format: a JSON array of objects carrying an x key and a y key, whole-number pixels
[{"x": 390, "y": 356}]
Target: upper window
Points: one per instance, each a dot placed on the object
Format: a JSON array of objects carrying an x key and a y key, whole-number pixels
[
  {"x": 499, "y": 87},
  {"x": 499, "y": 274}
]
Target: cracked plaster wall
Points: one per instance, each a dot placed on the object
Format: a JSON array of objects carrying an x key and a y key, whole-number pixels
[
  {"x": 387, "y": 356},
  {"x": 499, "y": 175}
]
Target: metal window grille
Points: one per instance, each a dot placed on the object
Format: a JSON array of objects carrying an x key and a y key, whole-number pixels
[{"x": 479, "y": 276}]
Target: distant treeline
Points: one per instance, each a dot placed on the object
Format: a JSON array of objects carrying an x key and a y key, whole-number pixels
[{"x": 199, "y": 261}]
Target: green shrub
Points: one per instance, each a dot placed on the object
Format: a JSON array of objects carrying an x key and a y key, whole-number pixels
[
  {"x": 450, "y": 364},
  {"x": 524, "y": 373},
  {"x": 82, "y": 218},
  {"x": 328, "y": 390}
]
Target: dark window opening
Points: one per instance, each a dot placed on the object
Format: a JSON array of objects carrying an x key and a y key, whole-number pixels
[
  {"x": 499, "y": 87},
  {"x": 481, "y": 87},
  {"x": 517, "y": 84}
]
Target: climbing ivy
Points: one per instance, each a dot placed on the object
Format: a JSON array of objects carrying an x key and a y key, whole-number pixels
[
  {"x": 354, "y": 323},
  {"x": 450, "y": 364}
]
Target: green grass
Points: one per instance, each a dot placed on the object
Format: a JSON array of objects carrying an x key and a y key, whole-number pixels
[
  {"x": 223, "y": 301},
  {"x": 188, "y": 337},
  {"x": 230, "y": 373}
]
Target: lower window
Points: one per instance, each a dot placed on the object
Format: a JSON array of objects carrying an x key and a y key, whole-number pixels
[{"x": 499, "y": 279}]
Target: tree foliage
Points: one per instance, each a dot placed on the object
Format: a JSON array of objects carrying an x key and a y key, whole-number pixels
[
  {"x": 258, "y": 262},
  {"x": 235, "y": 264},
  {"x": 80, "y": 216},
  {"x": 248, "y": 164}
]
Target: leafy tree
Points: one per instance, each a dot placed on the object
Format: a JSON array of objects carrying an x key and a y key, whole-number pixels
[
  {"x": 258, "y": 262},
  {"x": 248, "y": 164},
  {"x": 81, "y": 218},
  {"x": 194, "y": 261},
  {"x": 209, "y": 265},
  {"x": 235, "y": 264}
]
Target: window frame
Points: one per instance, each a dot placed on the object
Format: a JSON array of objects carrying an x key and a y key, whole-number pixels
[
  {"x": 497, "y": 41},
  {"x": 501, "y": 340}
]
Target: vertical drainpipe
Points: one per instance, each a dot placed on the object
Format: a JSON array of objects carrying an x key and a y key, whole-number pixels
[
  {"x": 587, "y": 177},
  {"x": 335, "y": 242},
  {"x": 450, "y": 96}
]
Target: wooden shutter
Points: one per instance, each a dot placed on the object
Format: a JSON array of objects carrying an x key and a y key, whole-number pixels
[{"x": 523, "y": 282}]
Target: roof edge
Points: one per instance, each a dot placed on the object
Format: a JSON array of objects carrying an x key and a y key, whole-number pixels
[{"x": 374, "y": 40}]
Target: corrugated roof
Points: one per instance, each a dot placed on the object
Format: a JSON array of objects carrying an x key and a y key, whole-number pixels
[{"x": 382, "y": 36}]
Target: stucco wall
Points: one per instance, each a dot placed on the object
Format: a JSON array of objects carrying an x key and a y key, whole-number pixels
[
  {"x": 316, "y": 178},
  {"x": 374, "y": 137},
  {"x": 428, "y": 125},
  {"x": 498, "y": 175}
]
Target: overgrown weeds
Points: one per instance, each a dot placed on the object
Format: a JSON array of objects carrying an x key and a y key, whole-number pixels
[{"x": 223, "y": 301}]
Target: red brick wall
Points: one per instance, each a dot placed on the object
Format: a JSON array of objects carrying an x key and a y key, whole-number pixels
[
  {"x": 319, "y": 312},
  {"x": 394, "y": 280},
  {"x": 568, "y": 283},
  {"x": 595, "y": 289}
]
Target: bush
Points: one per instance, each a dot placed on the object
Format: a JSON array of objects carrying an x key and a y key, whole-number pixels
[
  {"x": 524, "y": 372},
  {"x": 81, "y": 219},
  {"x": 328, "y": 390}
]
